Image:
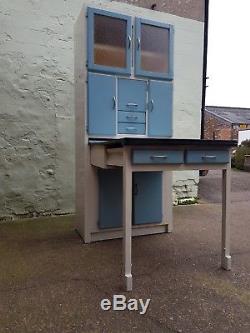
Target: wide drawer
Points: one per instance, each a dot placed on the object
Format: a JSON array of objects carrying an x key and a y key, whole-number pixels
[
  {"x": 157, "y": 156},
  {"x": 132, "y": 95},
  {"x": 207, "y": 156},
  {"x": 131, "y": 117},
  {"x": 129, "y": 128}
]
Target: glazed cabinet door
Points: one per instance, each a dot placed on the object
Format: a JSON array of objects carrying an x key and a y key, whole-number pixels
[
  {"x": 109, "y": 42},
  {"x": 153, "y": 49},
  {"x": 101, "y": 105}
]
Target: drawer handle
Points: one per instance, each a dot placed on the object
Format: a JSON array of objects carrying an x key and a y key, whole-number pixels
[
  {"x": 164, "y": 157},
  {"x": 209, "y": 157},
  {"x": 132, "y": 104},
  {"x": 131, "y": 129},
  {"x": 132, "y": 117}
]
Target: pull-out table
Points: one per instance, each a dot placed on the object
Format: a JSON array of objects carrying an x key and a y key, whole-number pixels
[{"x": 144, "y": 155}]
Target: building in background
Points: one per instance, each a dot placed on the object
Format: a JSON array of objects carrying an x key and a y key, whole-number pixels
[{"x": 225, "y": 123}]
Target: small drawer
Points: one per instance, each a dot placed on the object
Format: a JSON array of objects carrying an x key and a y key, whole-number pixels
[
  {"x": 131, "y": 117},
  {"x": 207, "y": 156},
  {"x": 129, "y": 128},
  {"x": 158, "y": 156},
  {"x": 132, "y": 95}
]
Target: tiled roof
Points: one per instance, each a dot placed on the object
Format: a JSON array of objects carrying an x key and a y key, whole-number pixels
[{"x": 233, "y": 115}]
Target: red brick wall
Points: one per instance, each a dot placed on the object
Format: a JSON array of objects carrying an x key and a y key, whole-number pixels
[
  {"x": 218, "y": 129},
  {"x": 193, "y": 9}
]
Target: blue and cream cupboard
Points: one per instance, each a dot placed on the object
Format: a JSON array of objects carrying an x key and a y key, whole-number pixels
[
  {"x": 124, "y": 78},
  {"x": 130, "y": 76}
]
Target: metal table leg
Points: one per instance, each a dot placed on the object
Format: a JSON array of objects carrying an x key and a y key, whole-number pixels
[
  {"x": 226, "y": 201},
  {"x": 127, "y": 218}
]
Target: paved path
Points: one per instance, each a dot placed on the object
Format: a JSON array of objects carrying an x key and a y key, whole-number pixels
[
  {"x": 210, "y": 186},
  {"x": 50, "y": 282}
]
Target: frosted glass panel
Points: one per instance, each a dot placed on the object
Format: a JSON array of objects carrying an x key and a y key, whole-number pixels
[
  {"x": 154, "y": 48},
  {"x": 109, "y": 41}
]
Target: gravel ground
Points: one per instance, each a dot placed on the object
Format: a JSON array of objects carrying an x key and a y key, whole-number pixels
[
  {"x": 51, "y": 282},
  {"x": 210, "y": 186}
]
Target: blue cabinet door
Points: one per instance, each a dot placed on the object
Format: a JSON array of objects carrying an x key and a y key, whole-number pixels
[
  {"x": 132, "y": 95},
  {"x": 147, "y": 197},
  {"x": 160, "y": 109},
  {"x": 154, "y": 49},
  {"x": 109, "y": 42},
  {"x": 110, "y": 198},
  {"x": 101, "y": 105}
]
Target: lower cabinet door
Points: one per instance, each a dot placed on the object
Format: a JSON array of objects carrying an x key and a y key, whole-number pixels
[
  {"x": 110, "y": 198},
  {"x": 147, "y": 197}
]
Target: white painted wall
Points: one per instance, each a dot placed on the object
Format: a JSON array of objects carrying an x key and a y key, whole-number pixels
[
  {"x": 36, "y": 100},
  {"x": 36, "y": 106},
  {"x": 243, "y": 135}
]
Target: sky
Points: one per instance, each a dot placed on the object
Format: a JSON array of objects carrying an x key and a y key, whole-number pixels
[{"x": 229, "y": 53}]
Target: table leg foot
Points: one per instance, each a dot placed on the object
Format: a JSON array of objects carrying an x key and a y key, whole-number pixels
[
  {"x": 128, "y": 282},
  {"x": 226, "y": 262},
  {"x": 169, "y": 228}
]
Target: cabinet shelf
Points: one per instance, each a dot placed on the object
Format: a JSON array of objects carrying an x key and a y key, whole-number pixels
[{"x": 108, "y": 55}]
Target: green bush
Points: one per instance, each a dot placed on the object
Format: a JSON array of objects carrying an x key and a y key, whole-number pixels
[{"x": 241, "y": 151}]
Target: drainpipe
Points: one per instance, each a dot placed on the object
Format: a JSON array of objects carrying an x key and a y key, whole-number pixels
[{"x": 204, "y": 75}]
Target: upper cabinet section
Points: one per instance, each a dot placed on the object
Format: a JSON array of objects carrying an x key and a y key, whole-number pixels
[
  {"x": 109, "y": 42},
  {"x": 153, "y": 49}
]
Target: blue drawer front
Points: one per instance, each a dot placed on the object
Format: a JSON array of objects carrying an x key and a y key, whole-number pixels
[
  {"x": 158, "y": 157},
  {"x": 131, "y": 117},
  {"x": 132, "y": 95},
  {"x": 128, "y": 128},
  {"x": 208, "y": 156}
]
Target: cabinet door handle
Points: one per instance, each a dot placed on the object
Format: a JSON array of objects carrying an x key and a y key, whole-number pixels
[
  {"x": 114, "y": 102},
  {"x": 132, "y": 104},
  {"x": 151, "y": 105},
  {"x": 135, "y": 189},
  {"x": 129, "y": 41},
  {"x": 138, "y": 43}
]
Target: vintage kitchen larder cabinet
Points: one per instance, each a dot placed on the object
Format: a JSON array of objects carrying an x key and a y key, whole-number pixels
[
  {"x": 130, "y": 83},
  {"x": 125, "y": 78}
]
